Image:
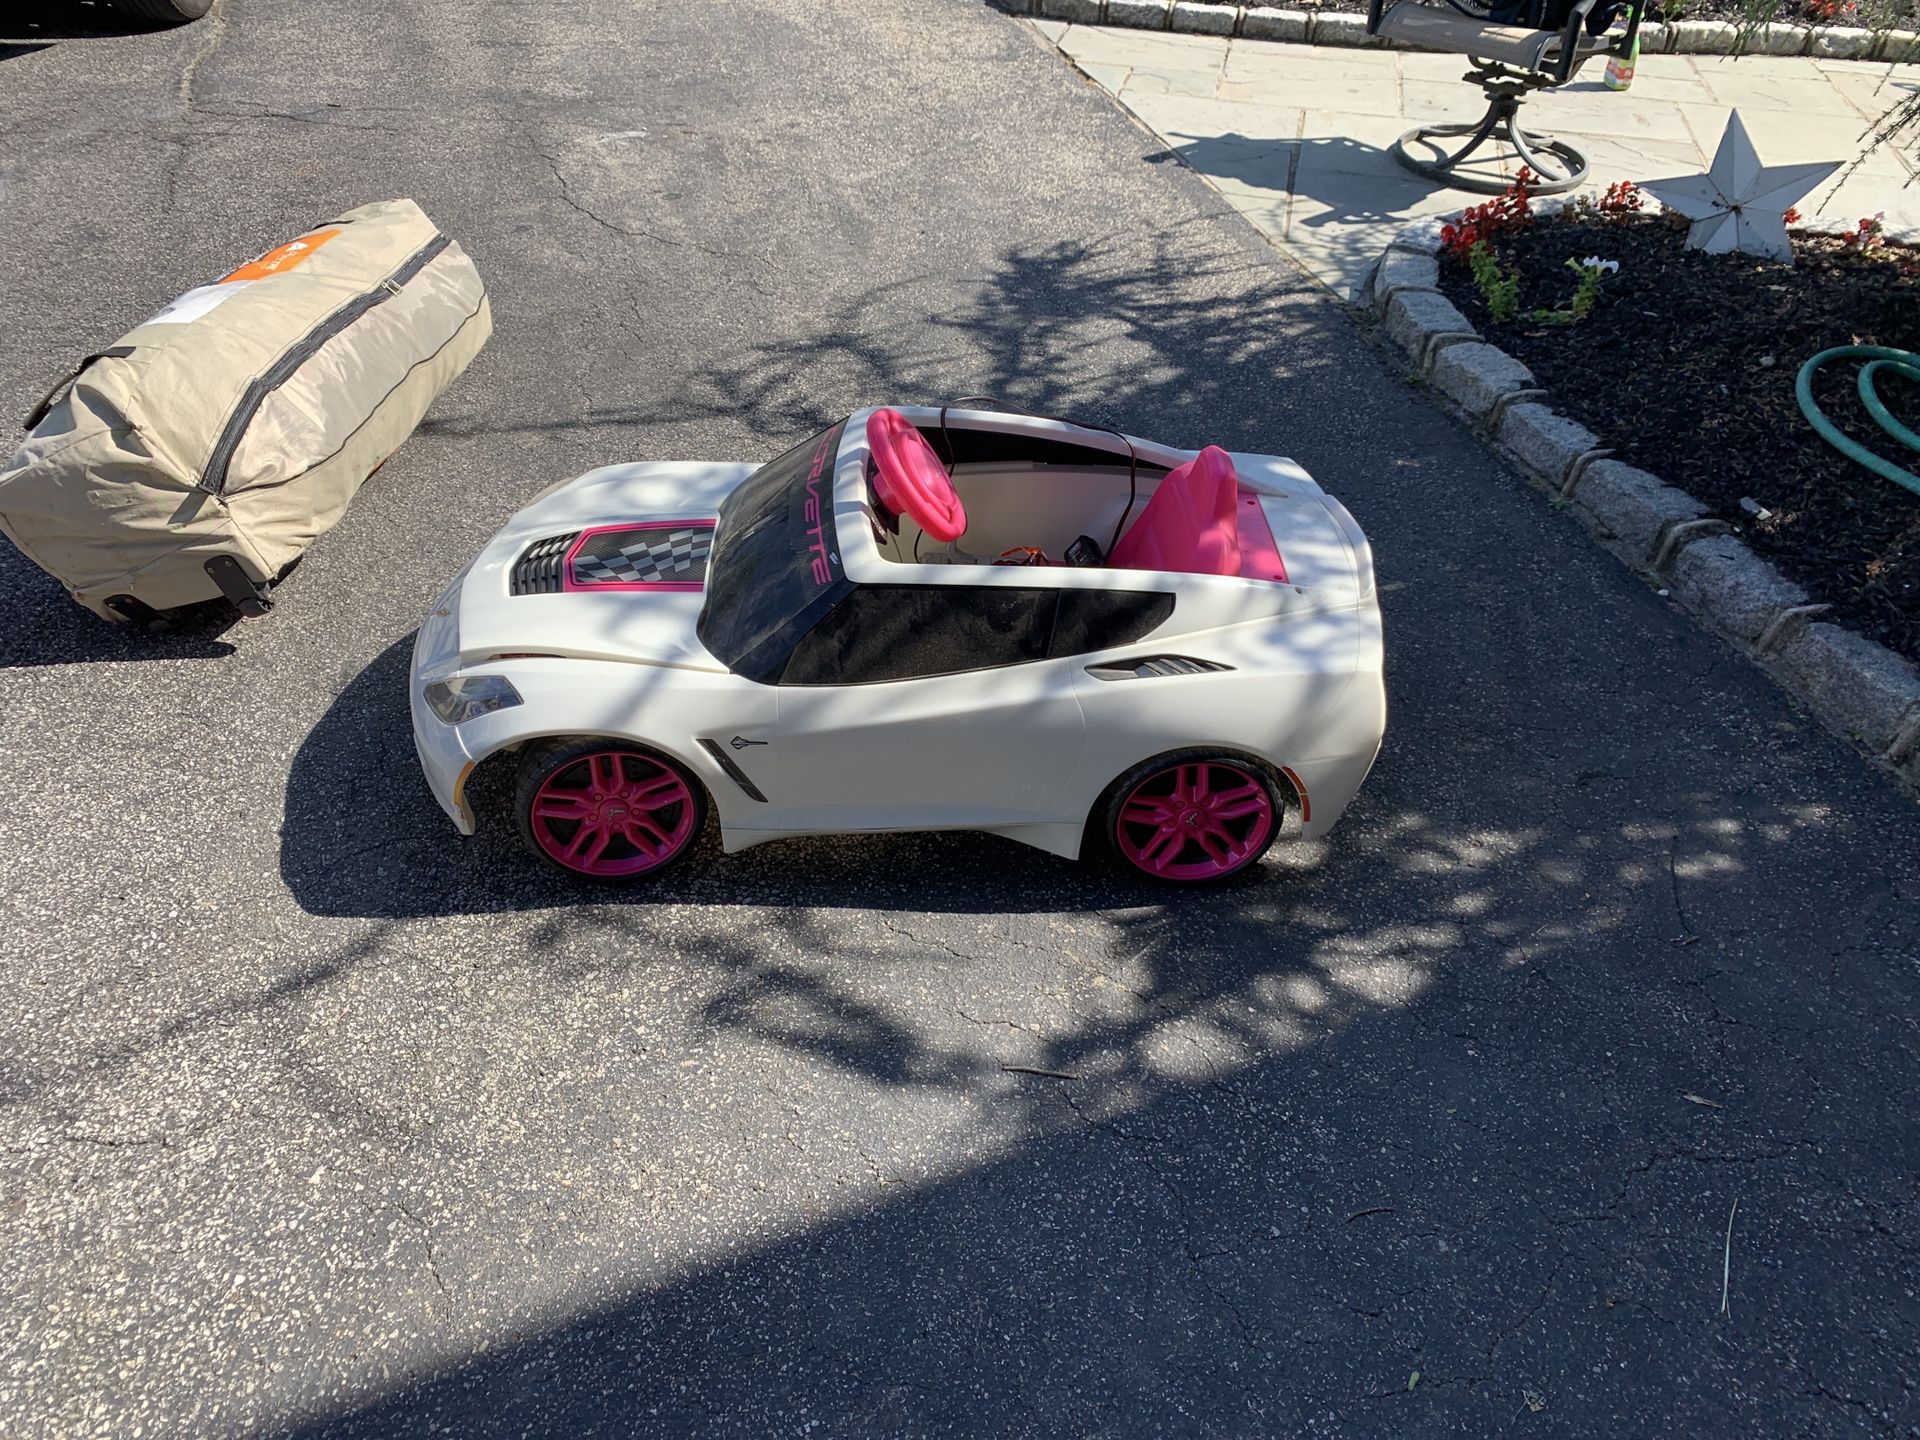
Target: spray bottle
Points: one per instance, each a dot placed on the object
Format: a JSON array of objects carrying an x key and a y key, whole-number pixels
[{"x": 1620, "y": 67}]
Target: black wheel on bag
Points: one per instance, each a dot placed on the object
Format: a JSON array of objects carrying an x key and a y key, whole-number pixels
[{"x": 167, "y": 12}]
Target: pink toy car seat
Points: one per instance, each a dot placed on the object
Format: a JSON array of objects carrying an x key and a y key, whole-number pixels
[{"x": 1190, "y": 524}]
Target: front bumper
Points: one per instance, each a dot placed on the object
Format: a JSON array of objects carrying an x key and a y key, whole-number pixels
[{"x": 444, "y": 757}]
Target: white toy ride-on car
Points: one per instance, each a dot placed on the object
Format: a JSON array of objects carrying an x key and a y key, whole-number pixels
[{"x": 919, "y": 619}]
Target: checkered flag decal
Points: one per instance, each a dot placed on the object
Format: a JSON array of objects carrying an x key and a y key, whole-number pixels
[{"x": 644, "y": 557}]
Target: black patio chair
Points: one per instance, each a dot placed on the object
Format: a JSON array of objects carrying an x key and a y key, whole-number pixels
[{"x": 1510, "y": 61}]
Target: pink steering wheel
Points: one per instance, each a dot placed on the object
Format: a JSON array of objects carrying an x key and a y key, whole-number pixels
[{"x": 909, "y": 478}]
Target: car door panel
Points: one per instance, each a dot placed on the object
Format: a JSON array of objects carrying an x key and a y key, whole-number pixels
[
  {"x": 926, "y": 705},
  {"x": 989, "y": 747}
]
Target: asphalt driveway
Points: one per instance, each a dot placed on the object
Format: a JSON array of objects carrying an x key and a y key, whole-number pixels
[{"x": 316, "y": 1119}]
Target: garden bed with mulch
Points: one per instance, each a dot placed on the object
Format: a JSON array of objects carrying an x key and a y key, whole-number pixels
[{"x": 1686, "y": 367}]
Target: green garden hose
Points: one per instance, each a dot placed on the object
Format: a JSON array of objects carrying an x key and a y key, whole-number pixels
[{"x": 1878, "y": 357}]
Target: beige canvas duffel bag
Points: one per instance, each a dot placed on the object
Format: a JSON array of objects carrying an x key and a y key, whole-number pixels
[{"x": 206, "y": 451}]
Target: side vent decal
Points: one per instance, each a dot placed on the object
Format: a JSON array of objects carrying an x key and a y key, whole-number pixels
[
  {"x": 734, "y": 772},
  {"x": 538, "y": 570},
  {"x": 1150, "y": 666}
]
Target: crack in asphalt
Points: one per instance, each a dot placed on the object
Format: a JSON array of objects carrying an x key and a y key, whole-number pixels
[
  {"x": 213, "y": 32},
  {"x": 316, "y": 116},
  {"x": 1820, "y": 1392},
  {"x": 109, "y": 1143},
  {"x": 1667, "y": 1157},
  {"x": 1197, "y": 1261},
  {"x": 426, "y": 1237},
  {"x": 1539, "y": 1304},
  {"x": 925, "y": 943},
  {"x": 573, "y": 202},
  {"x": 1437, "y": 1383},
  {"x": 994, "y": 1021}
]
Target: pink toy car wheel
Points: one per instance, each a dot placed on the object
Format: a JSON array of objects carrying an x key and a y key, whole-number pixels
[
  {"x": 1193, "y": 818},
  {"x": 606, "y": 810}
]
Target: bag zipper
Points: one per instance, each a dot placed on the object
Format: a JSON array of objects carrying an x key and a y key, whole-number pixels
[{"x": 213, "y": 478}]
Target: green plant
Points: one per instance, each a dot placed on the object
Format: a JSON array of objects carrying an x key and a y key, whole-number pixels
[
  {"x": 1498, "y": 286},
  {"x": 1622, "y": 199},
  {"x": 1593, "y": 272}
]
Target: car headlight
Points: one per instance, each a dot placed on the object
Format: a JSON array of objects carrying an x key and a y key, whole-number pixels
[{"x": 467, "y": 697}]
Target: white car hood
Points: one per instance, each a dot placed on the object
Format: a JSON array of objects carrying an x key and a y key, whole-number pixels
[{"x": 639, "y": 627}]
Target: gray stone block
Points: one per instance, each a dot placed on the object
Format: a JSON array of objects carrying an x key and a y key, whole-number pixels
[
  {"x": 1632, "y": 507},
  {"x": 1333, "y": 29},
  {"x": 1655, "y": 38},
  {"x": 1909, "y": 770},
  {"x": 1900, "y": 45},
  {"x": 1544, "y": 442},
  {"x": 1906, "y": 745},
  {"x": 1199, "y": 19},
  {"x": 1422, "y": 236},
  {"x": 1139, "y": 14},
  {"x": 1841, "y": 42},
  {"x": 1859, "y": 688},
  {"x": 1415, "y": 318},
  {"x": 1404, "y": 270},
  {"x": 1704, "y": 37},
  {"x": 1474, "y": 375},
  {"x": 1261, "y": 23},
  {"x": 1737, "y": 591},
  {"x": 1081, "y": 12},
  {"x": 1778, "y": 40}
]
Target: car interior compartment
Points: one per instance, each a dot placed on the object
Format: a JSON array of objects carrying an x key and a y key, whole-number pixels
[{"x": 1033, "y": 500}]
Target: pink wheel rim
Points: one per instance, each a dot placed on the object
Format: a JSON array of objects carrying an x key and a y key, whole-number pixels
[
  {"x": 612, "y": 813},
  {"x": 1196, "y": 821}
]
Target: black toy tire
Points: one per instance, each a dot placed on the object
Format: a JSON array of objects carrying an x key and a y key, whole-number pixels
[{"x": 167, "y": 12}]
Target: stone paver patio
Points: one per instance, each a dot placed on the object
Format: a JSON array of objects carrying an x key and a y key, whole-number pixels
[{"x": 1296, "y": 136}]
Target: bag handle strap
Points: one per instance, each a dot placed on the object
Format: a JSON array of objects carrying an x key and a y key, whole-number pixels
[{"x": 52, "y": 397}]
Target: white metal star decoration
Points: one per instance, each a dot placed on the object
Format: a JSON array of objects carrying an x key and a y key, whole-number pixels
[{"x": 1740, "y": 204}]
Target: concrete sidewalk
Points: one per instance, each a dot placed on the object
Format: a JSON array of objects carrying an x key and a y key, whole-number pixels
[{"x": 1296, "y": 136}]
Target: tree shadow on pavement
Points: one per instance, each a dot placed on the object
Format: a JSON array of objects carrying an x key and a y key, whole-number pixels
[
  {"x": 1437, "y": 1137},
  {"x": 1467, "y": 1090},
  {"x": 1192, "y": 327}
]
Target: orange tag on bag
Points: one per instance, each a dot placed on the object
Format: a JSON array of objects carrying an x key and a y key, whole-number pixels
[{"x": 290, "y": 256}]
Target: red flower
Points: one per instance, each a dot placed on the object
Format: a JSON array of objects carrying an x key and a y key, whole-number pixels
[
  {"x": 1512, "y": 210},
  {"x": 1622, "y": 198},
  {"x": 1866, "y": 235}
]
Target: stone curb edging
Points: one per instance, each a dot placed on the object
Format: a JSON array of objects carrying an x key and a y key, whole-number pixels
[
  {"x": 1855, "y": 686},
  {"x": 1315, "y": 27}
]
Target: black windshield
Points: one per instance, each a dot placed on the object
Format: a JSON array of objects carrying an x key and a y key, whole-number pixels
[{"x": 775, "y": 567}]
